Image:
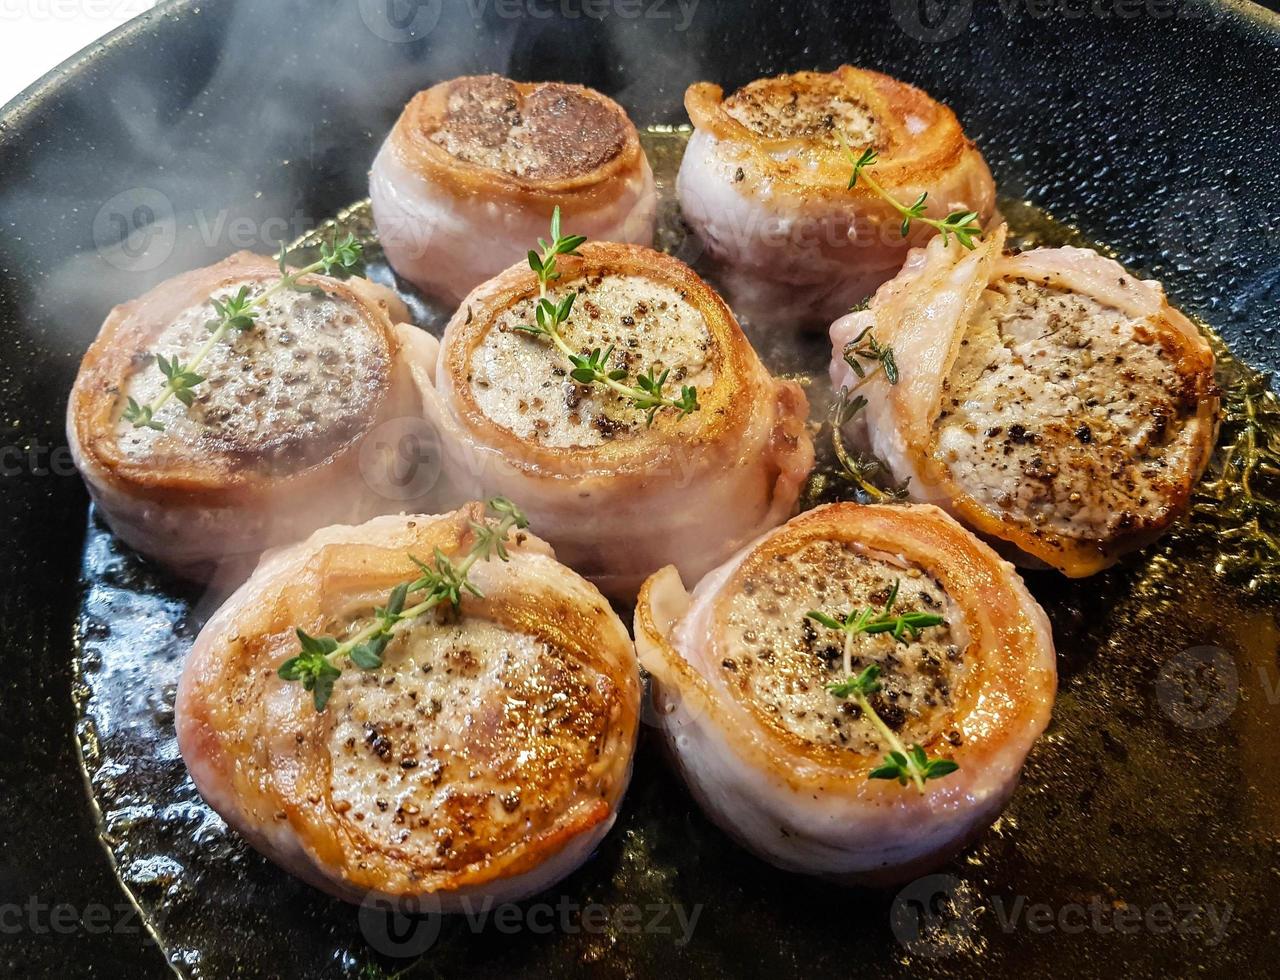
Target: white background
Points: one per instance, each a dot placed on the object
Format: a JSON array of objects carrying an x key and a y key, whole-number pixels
[{"x": 36, "y": 35}]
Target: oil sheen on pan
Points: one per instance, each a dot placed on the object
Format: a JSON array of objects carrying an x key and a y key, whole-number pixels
[{"x": 1141, "y": 750}]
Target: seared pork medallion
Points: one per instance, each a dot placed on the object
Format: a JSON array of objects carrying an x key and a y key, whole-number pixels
[
  {"x": 765, "y": 185},
  {"x": 429, "y": 709},
  {"x": 1049, "y": 399},
  {"x": 852, "y": 695},
  {"x": 225, "y": 411},
  {"x": 611, "y": 391},
  {"x": 470, "y": 173}
]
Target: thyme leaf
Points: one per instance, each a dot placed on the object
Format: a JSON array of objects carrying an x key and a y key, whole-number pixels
[
  {"x": 239, "y": 311},
  {"x": 963, "y": 224},
  {"x": 866, "y": 347},
  {"x": 1238, "y": 502},
  {"x": 901, "y": 763},
  {"x": 443, "y": 582},
  {"x": 648, "y": 393},
  {"x": 862, "y": 470}
]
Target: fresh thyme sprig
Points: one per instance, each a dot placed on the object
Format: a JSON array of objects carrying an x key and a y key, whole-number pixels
[
  {"x": 866, "y": 347},
  {"x": 648, "y": 393},
  {"x": 848, "y": 403},
  {"x": 442, "y": 582},
  {"x": 901, "y": 763},
  {"x": 903, "y": 626},
  {"x": 963, "y": 224},
  {"x": 860, "y": 469},
  {"x": 239, "y": 312},
  {"x": 1238, "y": 501}
]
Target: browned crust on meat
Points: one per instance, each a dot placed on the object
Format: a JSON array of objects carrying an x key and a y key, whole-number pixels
[
  {"x": 427, "y": 111},
  {"x": 227, "y": 704},
  {"x": 904, "y": 158},
  {"x": 1075, "y": 557},
  {"x": 724, "y": 405},
  {"x": 209, "y": 478},
  {"x": 1193, "y": 363},
  {"x": 1008, "y": 641},
  {"x": 1081, "y": 557}
]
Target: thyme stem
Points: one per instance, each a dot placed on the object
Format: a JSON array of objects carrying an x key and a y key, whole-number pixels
[
  {"x": 224, "y": 325},
  {"x": 647, "y": 394},
  {"x": 963, "y": 224},
  {"x": 901, "y": 763},
  {"x": 886, "y": 733},
  {"x": 413, "y": 612},
  {"x": 236, "y": 312},
  {"x": 316, "y": 665},
  {"x": 856, "y": 469}
]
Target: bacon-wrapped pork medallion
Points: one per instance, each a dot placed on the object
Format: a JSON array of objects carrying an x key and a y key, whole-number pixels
[
  {"x": 618, "y": 400},
  {"x": 225, "y": 411},
  {"x": 765, "y": 185},
  {"x": 852, "y": 695},
  {"x": 1050, "y": 400},
  {"x": 469, "y": 175},
  {"x": 445, "y": 728}
]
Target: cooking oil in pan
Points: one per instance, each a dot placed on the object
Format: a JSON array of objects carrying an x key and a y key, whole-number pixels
[{"x": 1154, "y": 788}]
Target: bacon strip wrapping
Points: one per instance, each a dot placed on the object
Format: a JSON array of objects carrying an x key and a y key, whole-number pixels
[
  {"x": 274, "y": 445},
  {"x": 764, "y": 184},
  {"x": 1049, "y": 400},
  {"x": 474, "y": 166},
  {"x": 482, "y": 762},
  {"x": 617, "y": 497},
  {"x": 777, "y": 779}
]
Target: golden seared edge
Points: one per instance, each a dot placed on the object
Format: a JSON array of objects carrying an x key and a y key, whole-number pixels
[
  {"x": 808, "y": 805},
  {"x": 237, "y": 473},
  {"x": 468, "y": 178},
  {"x": 783, "y": 132},
  {"x": 536, "y": 143},
  {"x": 483, "y": 760},
  {"x": 1065, "y": 472},
  {"x": 764, "y": 183},
  {"x": 688, "y": 491},
  {"x": 738, "y": 376}
]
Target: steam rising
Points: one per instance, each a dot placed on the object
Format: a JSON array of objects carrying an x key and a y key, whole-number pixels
[{"x": 200, "y": 121}]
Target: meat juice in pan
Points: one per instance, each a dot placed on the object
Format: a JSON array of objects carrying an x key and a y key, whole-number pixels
[{"x": 1153, "y": 724}]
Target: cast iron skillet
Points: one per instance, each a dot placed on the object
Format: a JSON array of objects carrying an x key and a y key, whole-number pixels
[{"x": 1150, "y": 126}]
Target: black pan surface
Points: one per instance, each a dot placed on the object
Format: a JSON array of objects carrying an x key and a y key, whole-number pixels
[{"x": 1151, "y": 127}]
